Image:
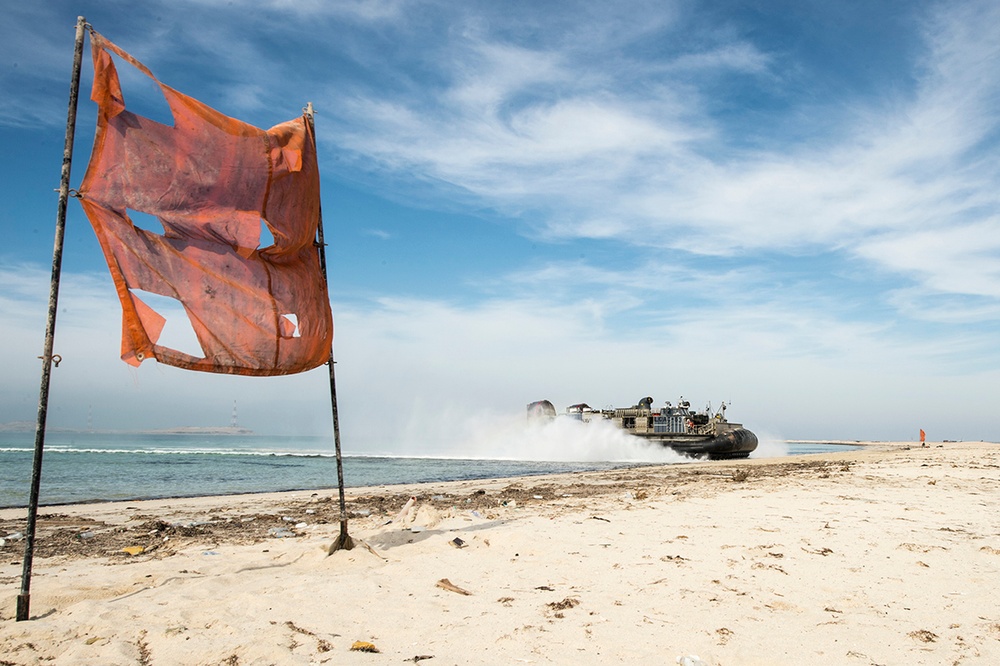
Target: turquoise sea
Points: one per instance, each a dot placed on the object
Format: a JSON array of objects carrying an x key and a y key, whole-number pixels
[{"x": 83, "y": 467}]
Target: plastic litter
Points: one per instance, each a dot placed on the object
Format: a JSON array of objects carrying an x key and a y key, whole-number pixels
[
  {"x": 191, "y": 523},
  {"x": 84, "y": 535},
  {"x": 280, "y": 532},
  {"x": 133, "y": 550},
  {"x": 404, "y": 513},
  {"x": 690, "y": 660},
  {"x": 457, "y": 542}
]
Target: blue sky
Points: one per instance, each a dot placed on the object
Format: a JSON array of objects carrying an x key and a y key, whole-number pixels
[{"x": 792, "y": 206}]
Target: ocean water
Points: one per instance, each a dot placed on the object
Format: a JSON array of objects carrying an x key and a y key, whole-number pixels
[{"x": 84, "y": 467}]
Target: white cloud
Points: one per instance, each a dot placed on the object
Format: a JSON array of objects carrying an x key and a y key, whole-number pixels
[
  {"x": 490, "y": 73},
  {"x": 737, "y": 56},
  {"x": 381, "y": 234},
  {"x": 522, "y": 130},
  {"x": 405, "y": 364},
  {"x": 787, "y": 370},
  {"x": 963, "y": 259},
  {"x": 362, "y": 10}
]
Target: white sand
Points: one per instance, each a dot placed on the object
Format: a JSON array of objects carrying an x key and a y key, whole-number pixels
[{"x": 889, "y": 555}]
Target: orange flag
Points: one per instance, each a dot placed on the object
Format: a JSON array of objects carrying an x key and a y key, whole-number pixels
[
  {"x": 923, "y": 436},
  {"x": 212, "y": 181}
]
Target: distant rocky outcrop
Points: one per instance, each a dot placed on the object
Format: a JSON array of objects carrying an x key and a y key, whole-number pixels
[
  {"x": 17, "y": 426},
  {"x": 198, "y": 430}
]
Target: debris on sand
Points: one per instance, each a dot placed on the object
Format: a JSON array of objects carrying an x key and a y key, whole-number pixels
[
  {"x": 446, "y": 584},
  {"x": 923, "y": 636},
  {"x": 568, "y": 602}
]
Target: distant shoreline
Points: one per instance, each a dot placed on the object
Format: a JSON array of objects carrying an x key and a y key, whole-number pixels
[{"x": 24, "y": 426}]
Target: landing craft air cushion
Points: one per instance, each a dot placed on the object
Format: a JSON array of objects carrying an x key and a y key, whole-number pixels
[{"x": 692, "y": 433}]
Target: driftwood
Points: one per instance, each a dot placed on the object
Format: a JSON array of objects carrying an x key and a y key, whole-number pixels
[{"x": 446, "y": 584}]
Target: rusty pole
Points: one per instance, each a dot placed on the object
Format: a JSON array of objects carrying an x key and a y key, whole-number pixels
[{"x": 24, "y": 598}]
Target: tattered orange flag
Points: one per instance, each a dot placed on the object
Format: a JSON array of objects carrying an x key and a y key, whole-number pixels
[{"x": 212, "y": 181}]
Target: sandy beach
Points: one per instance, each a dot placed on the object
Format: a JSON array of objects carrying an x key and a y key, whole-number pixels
[{"x": 886, "y": 555}]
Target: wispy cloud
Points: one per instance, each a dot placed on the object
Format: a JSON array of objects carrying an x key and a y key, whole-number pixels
[
  {"x": 36, "y": 58},
  {"x": 970, "y": 252},
  {"x": 582, "y": 156},
  {"x": 381, "y": 234}
]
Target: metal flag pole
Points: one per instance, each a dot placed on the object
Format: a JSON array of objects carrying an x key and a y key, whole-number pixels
[
  {"x": 344, "y": 541},
  {"x": 24, "y": 598}
]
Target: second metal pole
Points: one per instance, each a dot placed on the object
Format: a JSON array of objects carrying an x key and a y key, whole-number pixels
[{"x": 344, "y": 541}]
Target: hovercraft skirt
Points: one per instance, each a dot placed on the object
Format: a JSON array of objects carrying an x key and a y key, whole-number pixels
[{"x": 736, "y": 443}]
